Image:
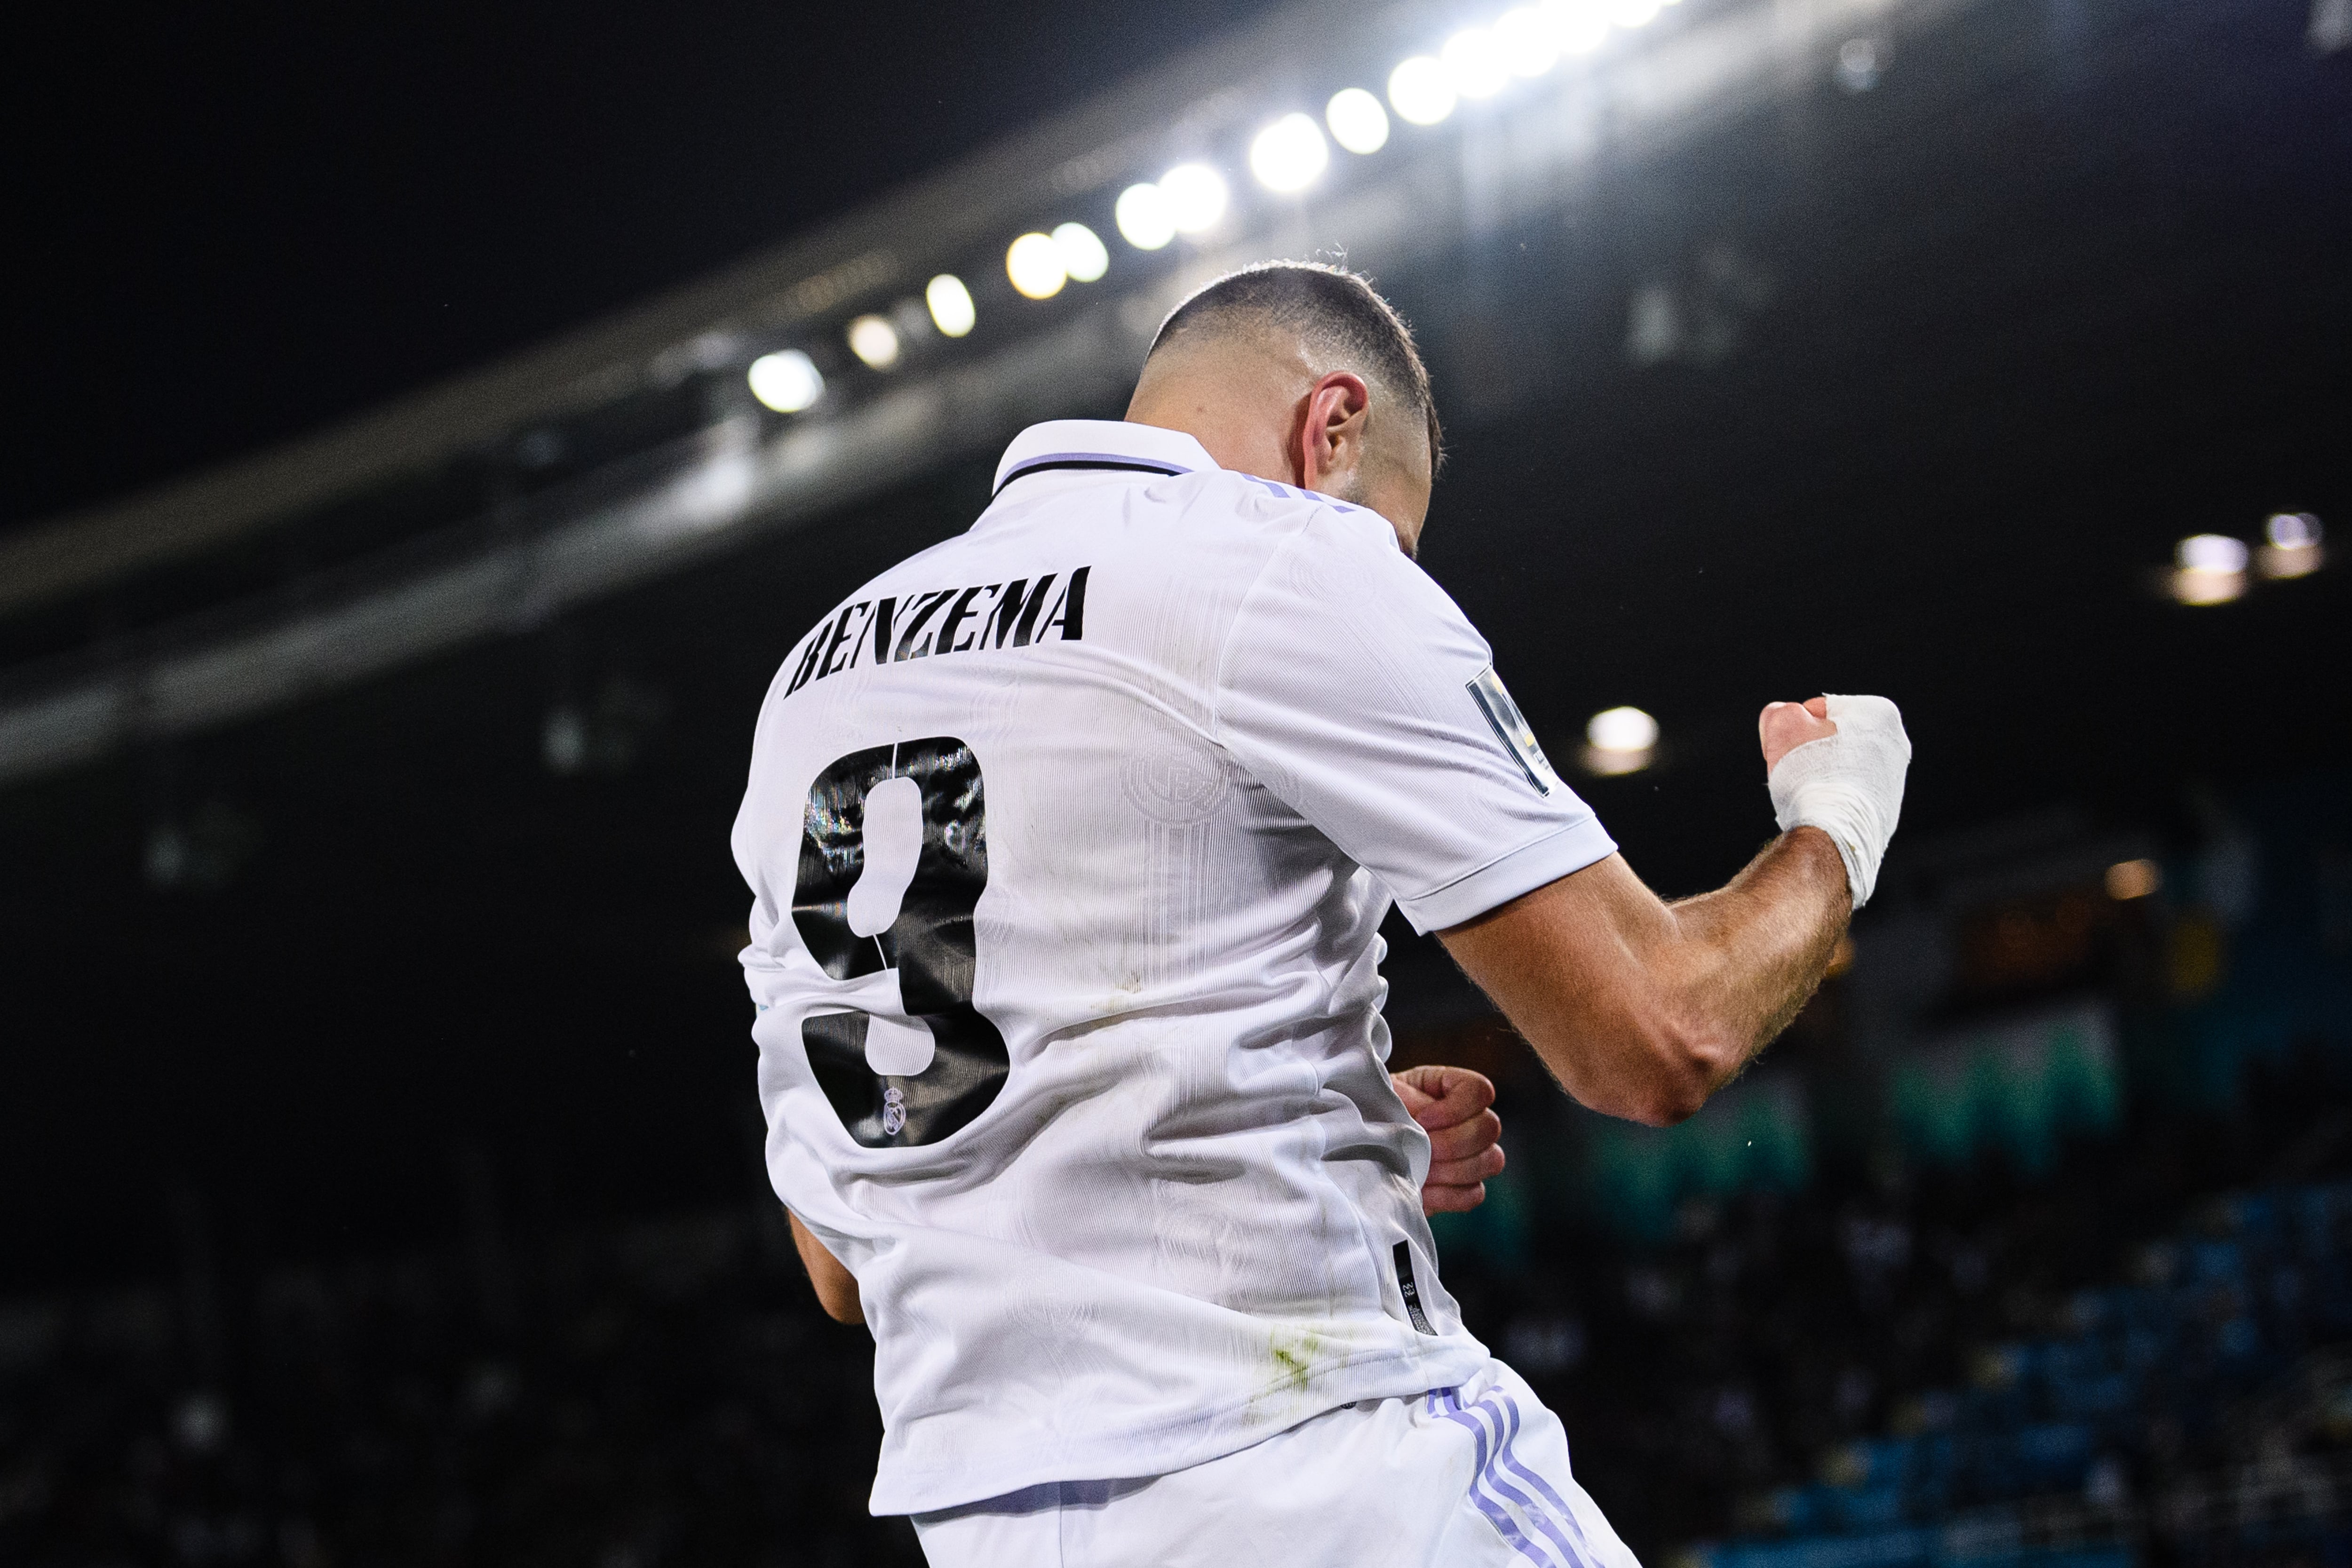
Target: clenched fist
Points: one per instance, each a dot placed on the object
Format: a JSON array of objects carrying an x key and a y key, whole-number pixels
[
  {"x": 1454, "y": 1107},
  {"x": 1838, "y": 763},
  {"x": 1785, "y": 726}
]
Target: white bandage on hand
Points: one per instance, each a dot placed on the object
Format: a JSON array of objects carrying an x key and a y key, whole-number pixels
[{"x": 1849, "y": 784}]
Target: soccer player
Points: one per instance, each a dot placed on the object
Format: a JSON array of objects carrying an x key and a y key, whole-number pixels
[{"x": 1070, "y": 839}]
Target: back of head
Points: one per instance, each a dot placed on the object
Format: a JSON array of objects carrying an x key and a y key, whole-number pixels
[{"x": 1333, "y": 312}]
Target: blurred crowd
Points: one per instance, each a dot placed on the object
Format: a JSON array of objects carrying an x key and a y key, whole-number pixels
[
  {"x": 2136, "y": 1355},
  {"x": 664, "y": 1394},
  {"x": 2070, "y": 1289},
  {"x": 2144, "y": 1356}
]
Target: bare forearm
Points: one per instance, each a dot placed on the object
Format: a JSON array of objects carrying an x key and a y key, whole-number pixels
[
  {"x": 1642, "y": 1009},
  {"x": 1749, "y": 955}
]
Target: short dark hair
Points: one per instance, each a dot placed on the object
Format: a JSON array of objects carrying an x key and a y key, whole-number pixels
[{"x": 1337, "y": 311}]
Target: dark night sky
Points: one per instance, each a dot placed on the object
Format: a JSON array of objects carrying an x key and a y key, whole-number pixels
[
  {"x": 254, "y": 220},
  {"x": 2019, "y": 341}
]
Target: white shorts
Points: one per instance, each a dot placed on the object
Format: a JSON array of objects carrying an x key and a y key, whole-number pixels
[{"x": 1458, "y": 1477}]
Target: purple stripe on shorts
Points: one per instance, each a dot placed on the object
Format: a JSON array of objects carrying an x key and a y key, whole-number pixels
[
  {"x": 1581, "y": 1552},
  {"x": 1569, "y": 1515},
  {"x": 1497, "y": 1515},
  {"x": 1504, "y": 1430}
]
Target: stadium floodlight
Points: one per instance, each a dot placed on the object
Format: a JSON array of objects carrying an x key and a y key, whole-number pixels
[
  {"x": 875, "y": 340},
  {"x": 1290, "y": 154},
  {"x": 1634, "y": 13},
  {"x": 2209, "y": 553},
  {"x": 951, "y": 305},
  {"x": 2294, "y": 549},
  {"x": 2209, "y": 568},
  {"x": 2291, "y": 531},
  {"x": 787, "y": 381},
  {"x": 1620, "y": 741},
  {"x": 1357, "y": 121},
  {"x": 1529, "y": 39},
  {"x": 1143, "y": 218},
  {"x": 1580, "y": 26},
  {"x": 1035, "y": 264},
  {"x": 1420, "y": 90},
  {"x": 1621, "y": 729},
  {"x": 1475, "y": 66},
  {"x": 1196, "y": 198},
  {"x": 1084, "y": 256}
]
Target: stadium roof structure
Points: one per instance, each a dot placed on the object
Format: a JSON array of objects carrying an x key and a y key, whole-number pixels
[{"x": 485, "y": 505}]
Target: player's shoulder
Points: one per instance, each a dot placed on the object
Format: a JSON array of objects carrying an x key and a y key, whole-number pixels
[
  {"x": 1326, "y": 547},
  {"x": 1286, "y": 520},
  {"x": 1342, "y": 581},
  {"x": 1207, "y": 526},
  {"x": 1250, "y": 498}
]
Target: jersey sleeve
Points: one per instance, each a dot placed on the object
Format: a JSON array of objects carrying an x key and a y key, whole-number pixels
[{"x": 1352, "y": 687}]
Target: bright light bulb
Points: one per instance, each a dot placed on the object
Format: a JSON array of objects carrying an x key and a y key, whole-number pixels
[
  {"x": 2294, "y": 549},
  {"x": 951, "y": 304},
  {"x": 787, "y": 381},
  {"x": 1580, "y": 26},
  {"x": 1619, "y": 741},
  {"x": 1035, "y": 264},
  {"x": 2209, "y": 553},
  {"x": 1528, "y": 41},
  {"x": 2291, "y": 531},
  {"x": 1196, "y": 198},
  {"x": 2210, "y": 569},
  {"x": 1621, "y": 729},
  {"x": 1288, "y": 154},
  {"x": 1420, "y": 90},
  {"x": 1475, "y": 63},
  {"x": 1083, "y": 254},
  {"x": 1357, "y": 121},
  {"x": 1634, "y": 13},
  {"x": 2134, "y": 879},
  {"x": 1144, "y": 220},
  {"x": 875, "y": 340}
]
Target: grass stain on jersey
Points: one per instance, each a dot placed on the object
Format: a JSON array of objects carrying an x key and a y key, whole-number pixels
[{"x": 1294, "y": 1356}]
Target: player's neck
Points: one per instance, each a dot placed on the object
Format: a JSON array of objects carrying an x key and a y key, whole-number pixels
[{"x": 1241, "y": 403}]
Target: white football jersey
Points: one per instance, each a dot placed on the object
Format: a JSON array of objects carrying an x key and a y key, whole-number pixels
[{"x": 1070, "y": 839}]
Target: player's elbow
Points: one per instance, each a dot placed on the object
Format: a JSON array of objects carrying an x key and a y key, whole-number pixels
[
  {"x": 1681, "y": 1065},
  {"x": 1666, "y": 1103},
  {"x": 1671, "y": 1097},
  {"x": 1635, "y": 1060}
]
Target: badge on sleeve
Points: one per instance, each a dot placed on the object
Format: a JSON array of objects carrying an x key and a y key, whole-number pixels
[{"x": 1510, "y": 728}]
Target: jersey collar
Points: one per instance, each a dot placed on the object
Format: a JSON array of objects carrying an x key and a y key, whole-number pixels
[{"x": 1112, "y": 445}]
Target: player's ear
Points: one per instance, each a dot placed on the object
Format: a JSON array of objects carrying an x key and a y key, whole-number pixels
[{"x": 1338, "y": 411}]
